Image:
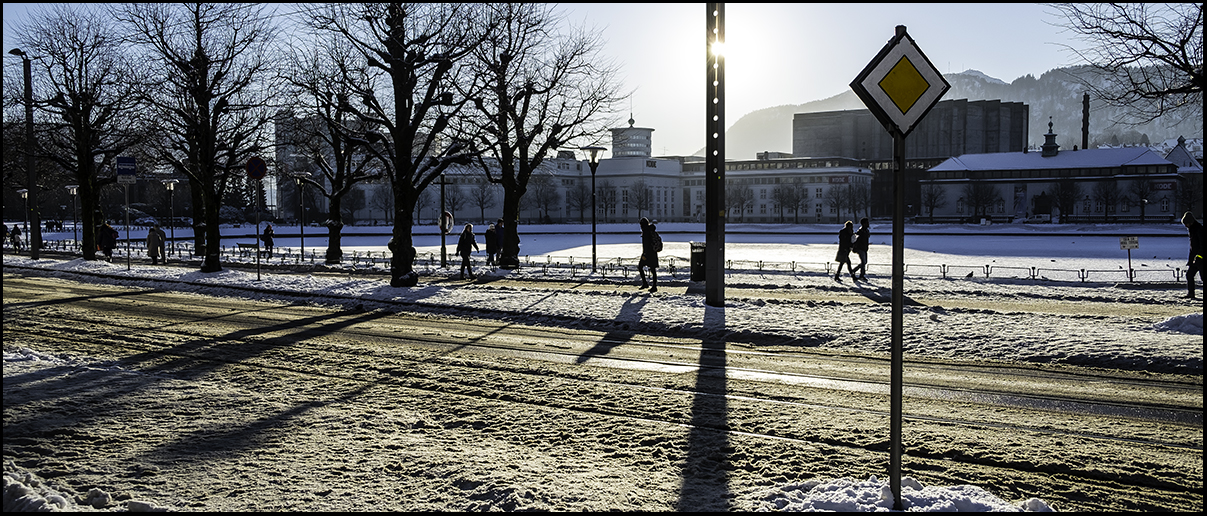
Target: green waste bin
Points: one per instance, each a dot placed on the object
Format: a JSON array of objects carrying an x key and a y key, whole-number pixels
[{"x": 697, "y": 261}]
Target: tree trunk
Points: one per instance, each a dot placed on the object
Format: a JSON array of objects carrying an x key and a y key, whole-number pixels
[
  {"x": 335, "y": 228},
  {"x": 213, "y": 239},
  {"x": 509, "y": 239},
  {"x": 197, "y": 213}
]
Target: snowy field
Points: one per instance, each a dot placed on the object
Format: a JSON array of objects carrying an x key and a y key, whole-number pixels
[{"x": 1170, "y": 343}]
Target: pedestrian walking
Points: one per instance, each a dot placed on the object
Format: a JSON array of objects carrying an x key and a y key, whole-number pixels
[
  {"x": 464, "y": 245},
  {"x": 1194, "y": 262},
  {"x": 651, "y": 245},
  {"x": 846, "y": 237},
  {"x": 155, "y": 245},
  {"x": 492, "y": 244},
  {"x": 860, "y": 247},
  {"x": 267, "y": 237},
  {"x": 14, "y": 236},
  {"x": 106, "y": 240}
]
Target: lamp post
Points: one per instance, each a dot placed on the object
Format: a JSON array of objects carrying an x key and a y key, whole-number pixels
[
  {"x": 170, "y": 184},
  {"x": 74, "y": 217},
  {"x": 593, "y": 160},
  {"x": 301, "y": 214},
  {"x": 443, "y": 232},
  {"x": 34, "y": 231},
  {"x": 25, "y": 197}
]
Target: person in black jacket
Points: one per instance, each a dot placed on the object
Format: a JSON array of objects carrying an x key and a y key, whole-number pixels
[
  {"x": 846, "y": 236},
  {"x": 106, "y": 240},
  {"x": 492, "y": 244},
  {"x": 649, "y": 254},
  {"x": 860, "y": 247},
  {"x": 1194, "y": 262},
  {"x": 464, "y": 243}
]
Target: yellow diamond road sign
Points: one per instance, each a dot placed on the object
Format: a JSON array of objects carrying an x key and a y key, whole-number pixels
[{"x": 900, "y": 85}]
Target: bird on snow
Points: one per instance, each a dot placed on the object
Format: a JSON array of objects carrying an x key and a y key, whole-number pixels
[{"x": 969, "y": 275}]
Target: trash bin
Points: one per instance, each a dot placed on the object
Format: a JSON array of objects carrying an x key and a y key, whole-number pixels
[{"x": 697, "y": 261}]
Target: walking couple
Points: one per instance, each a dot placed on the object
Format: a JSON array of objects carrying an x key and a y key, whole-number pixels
[{"x": 850, "y": 240}]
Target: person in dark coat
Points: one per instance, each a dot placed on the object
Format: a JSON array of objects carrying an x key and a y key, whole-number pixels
[
  {"x": 846, "y": 236},
  {"x": 860, "y": 247},
  {"x": 649, "y": 254},
  {"x": 1194, "y": 262},
  {"x": 155, "y": 244},
  {"x": 464, "y": 244},
  {"x": 492, "y": 244},
  {"x": 267, "y": 237},
  {"x": 106, "y": 240},
  {"x": 14, "y": 236}
]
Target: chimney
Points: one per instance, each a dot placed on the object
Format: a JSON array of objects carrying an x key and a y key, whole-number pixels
[{"x": 1085, "y": 120}]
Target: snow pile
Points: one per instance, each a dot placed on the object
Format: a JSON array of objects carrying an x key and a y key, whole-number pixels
[
  {"x": 25, "y": 492},
  {"x": 873, "y": 495},
  {"x": 1189, "y": 323}
]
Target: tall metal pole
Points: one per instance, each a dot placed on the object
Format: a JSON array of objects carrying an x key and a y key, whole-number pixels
[
  {"x": 301, "y": 216},
  {"x": 714, "y": 170},
  {"x": 594, "y": 166},
  {"x": 33, "y": 226},
  {"x": 440, "y": 225},
  {"x": 75, "y": 217},
  {"x": 896, "y": 375},
  {"x": 126, "y": 187}
]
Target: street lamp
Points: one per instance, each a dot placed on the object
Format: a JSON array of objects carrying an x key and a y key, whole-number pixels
[
  {"x": 170, "y": 184},
  {"x": 443, "y": 232},
  {"x": 593, "y": 160},
  {"x": 301, "y": 213},
  {"x": 75, "y": 224},
  {"x": 34, "y": 231},
  {"x": 25, "y": 197}
]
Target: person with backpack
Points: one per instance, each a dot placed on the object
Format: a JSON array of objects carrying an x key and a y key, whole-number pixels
[
  {"x": 1195, "y": 262},
  {"x": 860, "y": 247},
  {"x": 15, "y": 237},
  {"x": 464, "y": 243},
  {"x": 651, "y": 245},
  {"x": 267, "y": 237}
]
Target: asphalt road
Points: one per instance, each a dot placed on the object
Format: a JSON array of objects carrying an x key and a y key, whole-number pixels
[{"x": 221, "y": 398}]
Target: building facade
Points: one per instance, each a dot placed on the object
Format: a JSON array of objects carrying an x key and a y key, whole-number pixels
[{"x": 1089, "y": 185}]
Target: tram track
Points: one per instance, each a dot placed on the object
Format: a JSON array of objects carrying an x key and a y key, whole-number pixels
[{"x": 633, "y": 380}]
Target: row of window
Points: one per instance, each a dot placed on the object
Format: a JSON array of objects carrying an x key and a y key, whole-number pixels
[{"x": 1044, "y": 174}]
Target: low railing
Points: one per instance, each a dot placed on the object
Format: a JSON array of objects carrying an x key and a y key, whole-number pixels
[{"x": 674, "y": 265}]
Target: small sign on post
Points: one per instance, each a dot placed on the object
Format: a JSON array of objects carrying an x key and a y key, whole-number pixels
[
  {"x": 1129, "y": 243},
  {"x": 127, "y": 171}
]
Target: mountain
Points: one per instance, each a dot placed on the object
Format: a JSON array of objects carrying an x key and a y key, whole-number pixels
[{"x": 1056, "y": 93}]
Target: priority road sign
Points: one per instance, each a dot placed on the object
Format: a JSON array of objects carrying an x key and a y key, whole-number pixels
[{"x": 900, "y": 85}]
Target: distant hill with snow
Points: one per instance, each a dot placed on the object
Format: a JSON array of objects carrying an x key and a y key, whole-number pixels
[{"x": 1055, "y": 93}]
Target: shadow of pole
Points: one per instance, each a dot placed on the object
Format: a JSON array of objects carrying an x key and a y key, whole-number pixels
[{"x": 705, "y": 468}]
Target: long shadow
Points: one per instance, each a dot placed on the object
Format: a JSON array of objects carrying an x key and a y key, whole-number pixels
[
  {"x": 705, "y": 468},
  {"x": 630, "y": 310},
  {"x": 881, "y": 294},
  {"x": 77, "y": 299}
]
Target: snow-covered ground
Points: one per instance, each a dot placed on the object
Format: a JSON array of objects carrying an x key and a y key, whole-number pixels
[{"x": 1173, "y": 343}]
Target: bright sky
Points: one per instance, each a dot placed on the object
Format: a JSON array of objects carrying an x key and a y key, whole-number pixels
[{"x": 775, "y": 51}]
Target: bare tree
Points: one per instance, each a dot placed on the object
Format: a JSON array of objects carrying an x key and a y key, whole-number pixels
[
  {"x": 786, "y": 197},
  {"x": 1106, "y": 193},
  {"x": 209, "y": 91},
  {"x": 607, "y": 196},
  {"x": 544, "y": 194},
  {"x": 933, "y": 198},
  {"x": 835, "y": 199},
  {"x": 1142, "y": 188},
  {"x": 642, "y": 197},
  {"x": 1148, "y": 57},
  {"x": 578, "y": 198},
  {"x": 420, "y": 48},
  {"x": 737, "y": 198},
  {"x": 90, "y": 90},
  {"x": 534, "y": 90},
  {"x": 980, "y": 196},
  {"x": 1190, "y": 194},
  {"x": 454, "y": 198},
  {"x": 322, "y": 77},
  {"x": 382, "y": 200},
  {"x": 482, "y": 195},
  {"x": 1067, "y": 192}
]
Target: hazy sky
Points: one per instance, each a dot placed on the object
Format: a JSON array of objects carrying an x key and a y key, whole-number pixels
[{"x": 787, "y": 53}]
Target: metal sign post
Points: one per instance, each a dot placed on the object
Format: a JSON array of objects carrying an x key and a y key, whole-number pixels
[
  {"x": 256, "y": 170},
  {"x": 899, "y": 87},
  {"x": 1129, "y": 243}
]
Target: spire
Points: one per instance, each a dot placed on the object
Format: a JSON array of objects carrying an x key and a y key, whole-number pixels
[{"x": 1050, "y": 148}]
